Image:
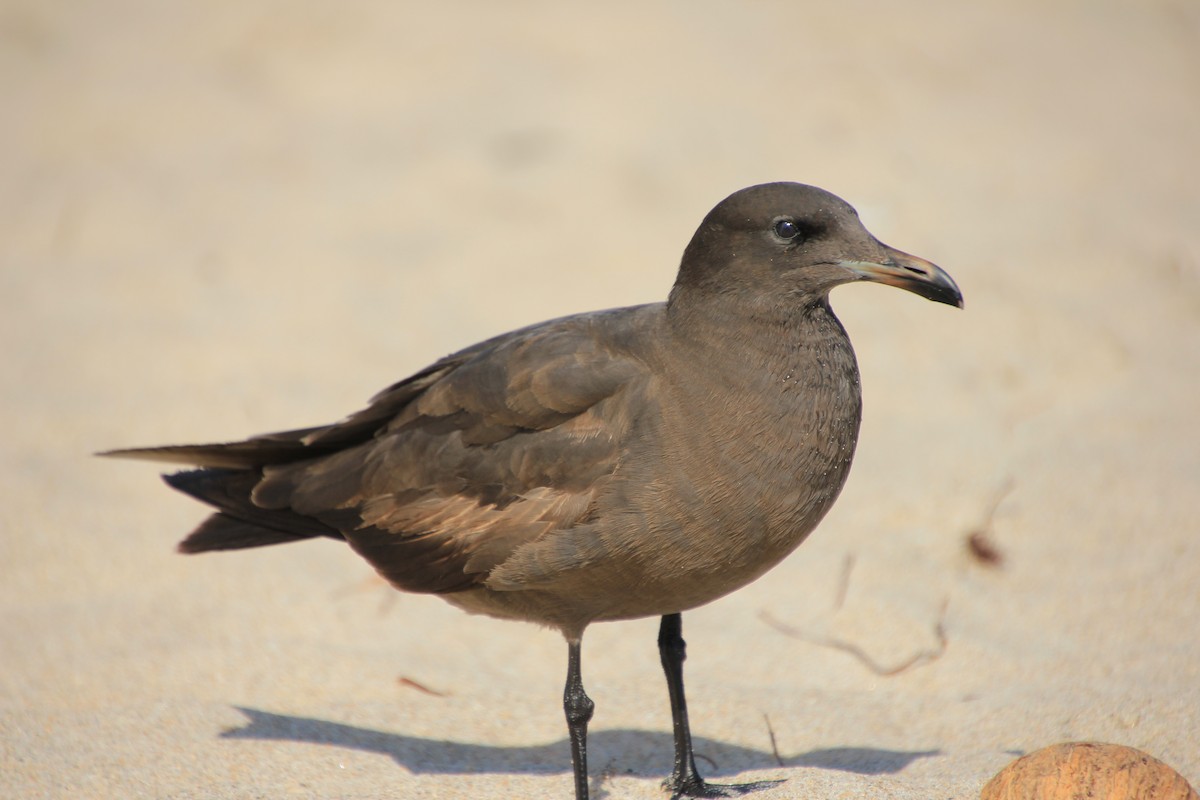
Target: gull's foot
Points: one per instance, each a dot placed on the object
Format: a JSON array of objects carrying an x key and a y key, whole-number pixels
[{"x": 695, "y": 787}]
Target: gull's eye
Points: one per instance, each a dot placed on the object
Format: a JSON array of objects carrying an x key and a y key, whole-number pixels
[{"x": 786, "y": 229}]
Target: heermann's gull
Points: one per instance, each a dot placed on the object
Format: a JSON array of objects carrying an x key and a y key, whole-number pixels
[{"x": 619, "y": 464}]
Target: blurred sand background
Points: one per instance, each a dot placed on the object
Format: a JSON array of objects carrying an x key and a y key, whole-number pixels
[{"x": 227, "y": 218}]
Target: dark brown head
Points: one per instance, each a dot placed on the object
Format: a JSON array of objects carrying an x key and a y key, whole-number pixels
[{"x": 791, "y": 243}]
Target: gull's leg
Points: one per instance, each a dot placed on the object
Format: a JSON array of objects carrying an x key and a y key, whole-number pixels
[
  {"x": 685, "y": 781},
  {"x": 578, "y": 708}
]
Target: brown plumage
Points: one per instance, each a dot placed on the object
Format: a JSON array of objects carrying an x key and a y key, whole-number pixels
[{"x": 619, "y": 464}]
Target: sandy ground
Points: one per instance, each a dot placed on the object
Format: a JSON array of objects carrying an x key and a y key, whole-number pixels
[{"x": 222, "y": 219}]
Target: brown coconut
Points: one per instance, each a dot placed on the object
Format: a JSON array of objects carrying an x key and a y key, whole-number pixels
[{"x": 1091, "y": 770}]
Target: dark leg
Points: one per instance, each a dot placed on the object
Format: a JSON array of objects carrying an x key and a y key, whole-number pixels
[
  {"x": 578, "y": 708},
  {"x": 685, "y": 780}
]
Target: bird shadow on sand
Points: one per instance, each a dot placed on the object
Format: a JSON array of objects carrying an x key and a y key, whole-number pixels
[{"x": 640, "y": 752}]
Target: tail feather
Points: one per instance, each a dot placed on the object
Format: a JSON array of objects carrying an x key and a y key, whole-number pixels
[
  {"x": 240, "y": 523},
  {"x": 223, "y": 532}
]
